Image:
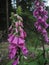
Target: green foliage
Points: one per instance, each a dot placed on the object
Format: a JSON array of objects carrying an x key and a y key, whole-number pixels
[
  {"x": 13, "y": 19},
  {"x": 9, "y": 63},
  {"x": 19, "y": 10}
]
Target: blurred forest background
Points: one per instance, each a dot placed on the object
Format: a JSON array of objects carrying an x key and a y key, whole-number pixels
[{"x": 25, "y": 9}]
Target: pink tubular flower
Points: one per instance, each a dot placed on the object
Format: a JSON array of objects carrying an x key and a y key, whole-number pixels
[
  {"x": 41, "y": 15},
  {"x": 24, "y": 50},
  {"x": 45, "y": 12},
  {"x": 23, "y": 34},
  {"x": 35, "y": 13},
  {"x": 10, "y": 39},
  {"x": 40, "y": 8},
  {"x": 16, "y": 61},
  {"x": 42, "y": 4},
  {"x": 21, "y": 41},
  {"x": 36, "y": 24},
  {"x": 12, "y": 46},
  {"x": 45, "y": 17},
  {"x": 16, "y": 30},
  {"x": 37, "y": 3},
  {"x": 10, "y": 28},
  {"x": 46, "y": 39},
  {"x": 20, "y": 23},
  {"x": 39, "y": 29},
  {"x": 17, "y": 42},
  {"x": 20, "y": 29},
  {"x": 44, "y": 32},
  {"x": 12, "y": 53}
]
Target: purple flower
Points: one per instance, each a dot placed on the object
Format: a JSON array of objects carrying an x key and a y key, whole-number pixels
[
  {"x": 18, "y": 23},
  {"x": 37, "y": 3},
  {"x": 45, "y": 12},
  {"x": 16, "y": 30},
  {"x": 41, "y": 15},
  {"x": 45, "y": 17},
  {"x": 23, "y": 34},
  {"x": 36, "y": 13},
  {"x": 39, "y": 19},
  {"x": 12, "y": 46},
  {"x": 44, "y": 32},
  {"x": 10, "y": 28},
  {"x": 46, "y": 39},
  {"x": 12, "y": 53},
  {"x": 46, "y": 25},
  {"x": 39, "y": 29},
  {"x": 40, "y": 8},
  {"x": 20, "y": 29},
  {"x": 43, "y": 23},
  {"x": 42, "y": 4},
  {"x": 11, "y": 38},
  {"x": 36, "y": 24},
  {"x": 17, "y": 41},
  {"x": 24, "y": 50},
  {"x": 21, "y": 41},
  {"x": 16, "y": 61}
]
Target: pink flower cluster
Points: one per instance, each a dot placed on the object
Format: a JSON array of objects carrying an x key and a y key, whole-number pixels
[
  {"x": 17, "y": 41},
  {"x": 41, "y": 16}
]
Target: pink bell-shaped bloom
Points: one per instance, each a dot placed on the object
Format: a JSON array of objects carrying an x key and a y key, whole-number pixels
[
  {"x": 12, "y": 53},
  {"x": 43, "y": 23},
  {"x": 17, "y": 23},
  {"x": 39, "y": 28},
  {"x": 37, "y": 3},
  {"x": 10, "y": 28},
  {"x": 46, "y": 39},
  {"x": 12, "y": 46},
  {"x": 40, "y": 8},
  {"x": 41, "y": 15},
  {"x": 20, "y": 40},
  {"x": 39, "y": 18},
  {"x": 10, "y": 39},
  {"x": 36, "y": 24},
  {"x": 23, "y": 34},
  {"x": 16, "y": 30},
  {"x": 21, "y": 45},
  {"x": 44, "y": 32},
  {"x": 42, "y": 4},
  {"x": 20, "y": 29},
  {"x": 45, "y": 17},
  {"x": 46, "y": 25},
  {"x": 36, "y": 13},
  {"x": 16, "y": 61},
  {"x": 11, "y": 56},
  {"x": 20, "y": 23},
  {"x": 45, "y": 12},
  {"x": 24, "y": 50},
  {"x": 15, "y": 40}
]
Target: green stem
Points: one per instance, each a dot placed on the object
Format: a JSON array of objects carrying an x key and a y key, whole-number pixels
[{"x": 44, "y": 53}]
